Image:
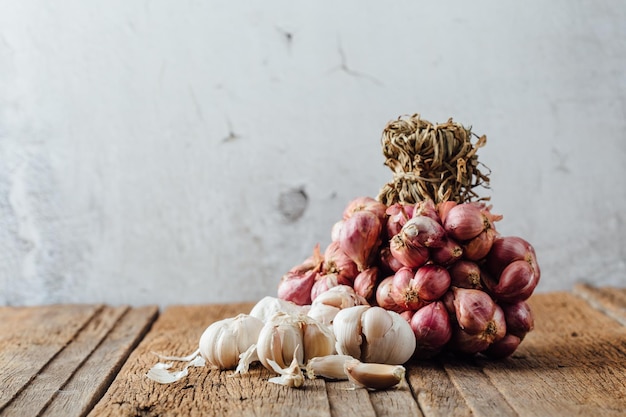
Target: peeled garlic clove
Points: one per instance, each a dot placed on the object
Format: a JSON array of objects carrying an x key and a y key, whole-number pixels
[
  {"x": 374, "y": 376},
  {"x": 347, "y": 329},
  {"x": 223, "y": 341},
  {"x": 330, "y": 366}
]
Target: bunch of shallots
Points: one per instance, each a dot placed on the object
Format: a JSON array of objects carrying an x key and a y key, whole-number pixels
[{"x": 443, "y": 267}]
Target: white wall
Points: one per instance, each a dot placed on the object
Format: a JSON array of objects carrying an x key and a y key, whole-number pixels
[{"x": 118, "y": 182}]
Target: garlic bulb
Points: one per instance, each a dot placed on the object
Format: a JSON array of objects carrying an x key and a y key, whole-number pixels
[
  {"x": 373, "y": 334},
  {"x": 326, "y": 305},
  {"x": 223, "y": 341},
  {"x": 268, "y": 306},
  {"x": 281, "y": 336}
]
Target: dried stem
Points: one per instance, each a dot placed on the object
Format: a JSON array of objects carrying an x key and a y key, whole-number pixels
[{"x": 436, "y": 161}]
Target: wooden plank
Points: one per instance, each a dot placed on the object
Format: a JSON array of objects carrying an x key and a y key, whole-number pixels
[
  {"x": 609, "y": 300},
  {"x": 30, "y": 337},
  {"x": 395, "y": 402},
  {"x": 91, "y": 380},
  {"x": 204, "y": 392},
  {"x": 42, "y": 388},
  {"x": 345, "y": 400},
  {"x": 482, "y": 397},
  {"x": 572, "y": 364},
  {"x": 435, "y": 393}
]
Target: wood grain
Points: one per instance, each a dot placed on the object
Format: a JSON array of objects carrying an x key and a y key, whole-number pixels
[
  {"x": 30, "y": 337},
  {"x": 59, "y": 360},
  {"x": 93, "y": 377},
  {"x": 572, "y": 364},
  {"x": 436, "y": 394},
  {"x": 204, "y": 392},
  {"x": 611, "y": 301}
]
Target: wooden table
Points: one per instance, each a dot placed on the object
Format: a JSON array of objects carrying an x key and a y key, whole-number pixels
[{"x": 76, "y": 360}]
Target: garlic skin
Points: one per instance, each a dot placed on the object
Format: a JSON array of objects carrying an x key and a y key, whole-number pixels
[
  {"x": 373, "y": 334},
  {"x": 290, "y": 377},
  {"x": 281, "y": 336},
  {"x": 268, "y": 306},
  {"x": 223, "y": 341}
]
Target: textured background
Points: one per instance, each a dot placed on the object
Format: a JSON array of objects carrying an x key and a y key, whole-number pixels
[{"x": 193, "y": 151}]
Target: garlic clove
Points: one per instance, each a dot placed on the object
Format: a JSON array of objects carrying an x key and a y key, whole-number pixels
[
  {"x": 323, "y": 313},
  {"x": 401, "y": 343},
  {"x": 375, "y": 325},
  {"x": 374, "y": 376},
  {"x": 329, "y": 366},
  {"x": 268, "y": 306},
  {"x": 319, "y": 340},
  {"x": 340, "y": 296},
  {"x": 278, "y": 339},
  {"x": 347, "y": 329}
]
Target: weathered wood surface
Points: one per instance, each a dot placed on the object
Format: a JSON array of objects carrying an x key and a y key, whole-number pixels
[{"x": 60, "y": 360}]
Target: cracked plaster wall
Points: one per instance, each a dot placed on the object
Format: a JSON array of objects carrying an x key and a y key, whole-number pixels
[{"x": 185, "y": 152}]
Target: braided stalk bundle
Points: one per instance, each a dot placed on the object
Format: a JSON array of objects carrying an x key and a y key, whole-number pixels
[{"x": 431, "y": 161}]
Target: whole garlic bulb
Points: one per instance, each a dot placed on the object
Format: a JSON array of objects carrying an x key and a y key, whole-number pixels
[
  {"x": 373, "y": 334},
  {"x": 326, "y": 305},
  {"x": 223, "y": 341},
  {"x": 286, "y": 336}
]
